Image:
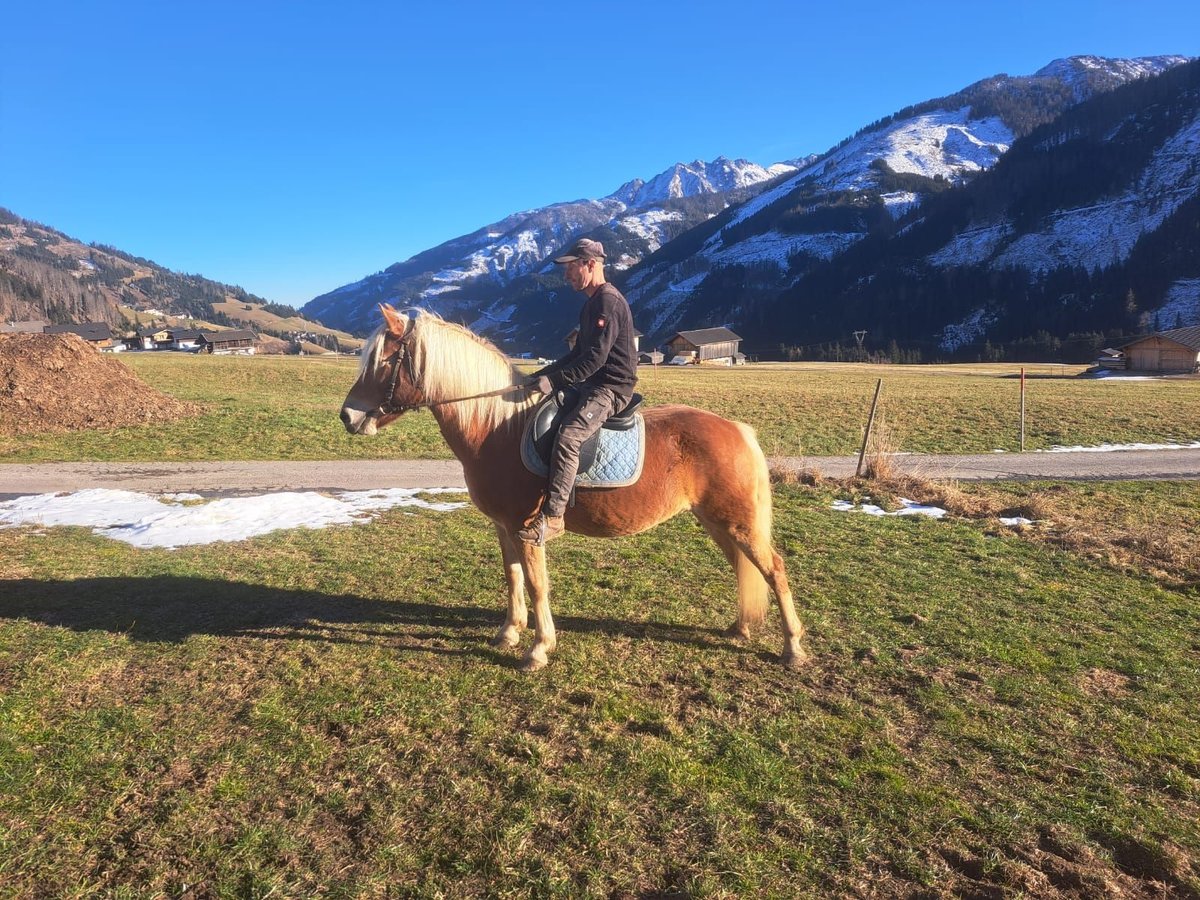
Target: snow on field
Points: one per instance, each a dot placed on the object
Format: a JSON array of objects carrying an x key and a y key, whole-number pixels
[
  {"x": 1111, "y": 448},
  {"x": 907, "y": 508},
  {"x": 178, "y": 520}
]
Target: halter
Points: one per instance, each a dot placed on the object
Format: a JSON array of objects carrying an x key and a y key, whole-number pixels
[{"x": 390, "y": 407}]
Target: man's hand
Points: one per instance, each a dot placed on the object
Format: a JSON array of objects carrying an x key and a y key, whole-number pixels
[{"x": 539, "y": 383}]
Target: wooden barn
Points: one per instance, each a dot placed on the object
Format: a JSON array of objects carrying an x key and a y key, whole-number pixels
[
  {"x": 717, "y": 346},
  {"x": 226, "y": 342},
  {"x": 1177, "y": 350}
]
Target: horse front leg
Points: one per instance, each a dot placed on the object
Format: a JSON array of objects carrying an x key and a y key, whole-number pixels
[
  {"x": 533, "y": 565},
  {"x": 509, "y": 634}
]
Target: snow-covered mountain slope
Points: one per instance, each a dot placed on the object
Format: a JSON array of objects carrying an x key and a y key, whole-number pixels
[
  {"x": 720, "y": 176},
  {"x": 889, "y": 166},
  {"x": 1095, "y": 235},
  {"x": 1084, "y": 230},
  {"x": 465, "y": 278}
]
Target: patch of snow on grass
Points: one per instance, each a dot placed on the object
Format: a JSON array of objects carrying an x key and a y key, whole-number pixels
[
  {"x": 165, "y": 521},
  {"x": 1112, "y": 448},
  {"x": 907, "y": 508}
]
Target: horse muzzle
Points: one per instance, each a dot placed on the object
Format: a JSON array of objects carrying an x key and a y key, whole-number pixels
[{"x": 358, "y": 422}]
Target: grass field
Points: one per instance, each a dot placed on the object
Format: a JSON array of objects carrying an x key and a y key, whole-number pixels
[
  {"x": 988, "y": 713},
  {"x": 320, "y": 714},
  {"x": 286, "y": 408}
]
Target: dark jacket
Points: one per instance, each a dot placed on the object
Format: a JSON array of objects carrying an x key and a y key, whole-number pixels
[{"x": 604, "y": 354}]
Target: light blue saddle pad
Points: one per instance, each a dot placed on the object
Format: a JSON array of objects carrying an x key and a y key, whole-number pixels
[{"x": 618, "y": 462}]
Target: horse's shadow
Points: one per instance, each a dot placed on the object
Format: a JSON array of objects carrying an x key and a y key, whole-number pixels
[{"x": 169, "y": 608}]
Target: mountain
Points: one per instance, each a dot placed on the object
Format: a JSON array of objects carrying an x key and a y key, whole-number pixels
[
  {"x": 1087, "y": 230},
  {"x": 718, "y": 243},
  {"x": 472, "y": 278},
  {"x": 47, "y": 275},
  {"x": 863, "y": 185}
]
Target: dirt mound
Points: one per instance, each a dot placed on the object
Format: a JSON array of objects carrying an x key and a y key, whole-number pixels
[{"x": 59, "y": 382}]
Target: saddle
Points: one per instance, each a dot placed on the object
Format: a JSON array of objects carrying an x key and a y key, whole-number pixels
[{"x": 612, "y": 457}]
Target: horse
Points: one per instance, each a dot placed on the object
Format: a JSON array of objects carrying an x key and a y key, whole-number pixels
[{"x": 695, "y": 460}]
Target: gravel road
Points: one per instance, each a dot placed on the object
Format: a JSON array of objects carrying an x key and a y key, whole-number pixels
[{"x": 233, "y": 478}]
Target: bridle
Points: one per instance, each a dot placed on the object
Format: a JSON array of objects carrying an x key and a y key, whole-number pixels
[{"x": 389, "y": 407}]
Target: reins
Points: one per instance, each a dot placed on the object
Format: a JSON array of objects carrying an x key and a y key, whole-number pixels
[{"x": 390, "y": 407}]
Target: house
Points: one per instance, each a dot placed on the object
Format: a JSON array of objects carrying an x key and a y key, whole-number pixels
[
  {"x": 650, "y": 358},
  {"x": 227, "y": 342},
  {"x": 98, "y": 334},
  {"x": 154, "y": 337},
  {"x": 1177, "y": 350},
  {"x": 714, "y": 346},
  {"x": 573, "y": 335}
]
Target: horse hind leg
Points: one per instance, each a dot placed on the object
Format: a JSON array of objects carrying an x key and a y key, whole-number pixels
[
  {"x": 751, "y": 586},
  {"x": 747, "y": 545},
  {"x": 509, "y": 634}
]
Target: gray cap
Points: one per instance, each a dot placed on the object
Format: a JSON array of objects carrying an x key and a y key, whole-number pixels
[{"x": 584, "y": 248}]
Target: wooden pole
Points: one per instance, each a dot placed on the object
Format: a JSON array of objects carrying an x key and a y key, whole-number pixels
[
  {"x": 867, "y": 434},
  {"x": 1022, "y": 409}
]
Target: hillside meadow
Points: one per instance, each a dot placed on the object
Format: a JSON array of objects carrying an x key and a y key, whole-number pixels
[
  {"x": 286, "y": 408},
  {"x": 989, "y": 711}
]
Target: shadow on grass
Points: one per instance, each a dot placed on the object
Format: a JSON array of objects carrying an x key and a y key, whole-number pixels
[{"x": 169, "y": 608}]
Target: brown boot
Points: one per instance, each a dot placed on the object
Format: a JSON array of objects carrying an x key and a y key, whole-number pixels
[{"x": 542, "y": 529}]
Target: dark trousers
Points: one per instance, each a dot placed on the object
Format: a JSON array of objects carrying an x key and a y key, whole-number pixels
[{"x": 595, "y": 406}]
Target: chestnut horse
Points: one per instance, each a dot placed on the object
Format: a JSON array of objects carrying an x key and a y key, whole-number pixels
[{"x": 694, "y": 460}]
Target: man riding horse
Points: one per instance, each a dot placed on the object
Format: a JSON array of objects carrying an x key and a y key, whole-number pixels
[{"x": 601, "y": 367}]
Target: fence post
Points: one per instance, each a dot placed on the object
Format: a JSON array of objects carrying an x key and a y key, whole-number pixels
[
  {"x": 867, "y": 434},
  {"x": 1022, "y": 409}
]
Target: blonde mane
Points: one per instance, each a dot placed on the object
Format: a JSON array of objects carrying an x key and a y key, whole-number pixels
[{"x": 448, "y": 362}]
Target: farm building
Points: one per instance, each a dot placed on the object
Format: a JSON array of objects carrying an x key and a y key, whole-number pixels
[
  {"x": 98, "y": 334},
  {"x": 154, "y": 337},
  {"x": 186, "y": 338},
  {"x": 650, "y": 358},
  {"x": 226, "y": 342},
  {"x": 1177, "y": 350},
  {"x": 717, "y": 346}
]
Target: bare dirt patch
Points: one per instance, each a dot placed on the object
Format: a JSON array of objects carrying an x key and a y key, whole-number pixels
[{"x": 59, "y": 382}]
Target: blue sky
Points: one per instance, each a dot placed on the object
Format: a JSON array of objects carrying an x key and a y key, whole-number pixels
[{"x": 291, "y": 148}]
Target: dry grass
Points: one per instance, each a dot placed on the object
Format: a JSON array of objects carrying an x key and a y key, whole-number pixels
[{"x": 1098, "y": 521}]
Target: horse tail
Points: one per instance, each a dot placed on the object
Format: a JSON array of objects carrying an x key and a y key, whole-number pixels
[{"x": 753, "y": 592}]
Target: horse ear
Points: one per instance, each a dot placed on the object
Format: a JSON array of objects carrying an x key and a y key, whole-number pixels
[{"x": 396, "y": 323}]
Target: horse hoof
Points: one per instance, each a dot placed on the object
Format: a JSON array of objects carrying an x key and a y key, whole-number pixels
[
  {"x": 506, "y": 641},
  {"x": 738, "y": 632},
  {"x": 794, "y": 660},
  {"x": 534, "y": 663}
]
